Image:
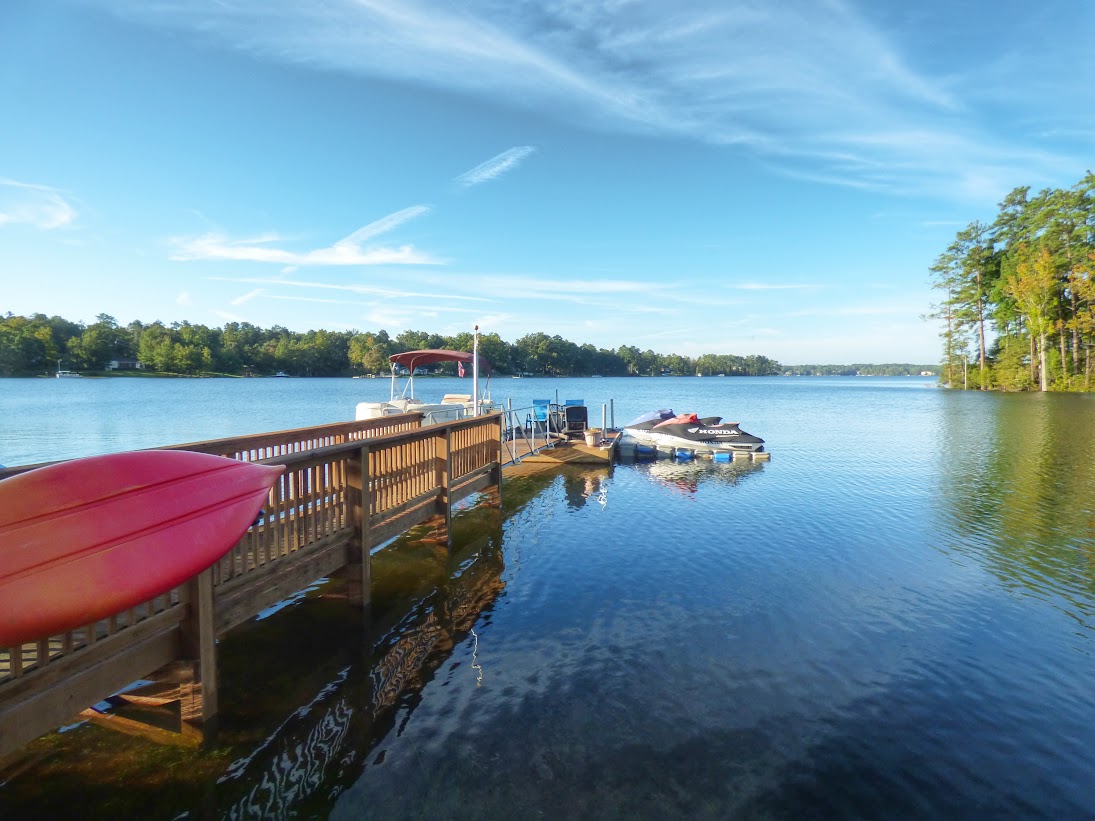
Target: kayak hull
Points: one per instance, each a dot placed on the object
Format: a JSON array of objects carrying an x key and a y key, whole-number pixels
[{"x": 85, "y": 539}]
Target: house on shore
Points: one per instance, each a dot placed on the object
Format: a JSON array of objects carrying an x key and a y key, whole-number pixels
[{"x": 124, "y": 365}]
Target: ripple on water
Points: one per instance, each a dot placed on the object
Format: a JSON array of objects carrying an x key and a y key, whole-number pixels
[{"x": 892, "y": 618}]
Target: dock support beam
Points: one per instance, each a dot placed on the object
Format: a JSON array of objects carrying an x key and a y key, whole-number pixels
[
  {"x": 496, "y": 471},
  {"x": 444, "y": 481},
  {"x": 199, "y": 641},
  {"x": 357, "y": 509}
]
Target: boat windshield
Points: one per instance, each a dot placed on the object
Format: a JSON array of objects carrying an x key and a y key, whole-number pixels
[{"x": 653, "y": 416}]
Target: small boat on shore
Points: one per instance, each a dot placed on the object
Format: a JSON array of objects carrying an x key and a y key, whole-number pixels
[
  {"x": 663, "y": 428},
  {"x": 64, "y": 374}
]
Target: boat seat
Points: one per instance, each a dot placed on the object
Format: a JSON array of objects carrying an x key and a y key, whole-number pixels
[
  {"x": 575, "y": 418},
  {"x": 455, "y": 398}
]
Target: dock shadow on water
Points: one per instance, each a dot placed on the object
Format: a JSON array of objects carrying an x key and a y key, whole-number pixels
[{"x": 306, "y": 690}]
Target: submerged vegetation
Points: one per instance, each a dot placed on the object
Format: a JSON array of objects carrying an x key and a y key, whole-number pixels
[
  {"x": 1018, "y": 307},
  {"x": 33, "y": 345}
]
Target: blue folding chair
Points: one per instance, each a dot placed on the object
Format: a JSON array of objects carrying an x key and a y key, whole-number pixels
[{"x": 538, "y": 419}]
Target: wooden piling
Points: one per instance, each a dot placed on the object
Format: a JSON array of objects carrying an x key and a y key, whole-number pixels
[
  {"x": 443, "y": 447},
  {"x": 198, "y": 640}
]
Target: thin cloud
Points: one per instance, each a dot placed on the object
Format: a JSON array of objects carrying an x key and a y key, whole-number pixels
[
  {"x": 355, "y": 289},
  {"x": 772, "y": 286},
  {"x": 240, "y": 300},
  {"x": 495, "y": 166},
  {"x": 383, "y": 225},
  {"x": 183, "y": 298},
  {"x": 538, "y": 287},
  {"x": 435, "y": 309},
  {"x": 708, "y": 74},
  {"x": 347, "y": 251},
  {"x": 900, "y": 309},
  {"x": 39, "y": 206}
]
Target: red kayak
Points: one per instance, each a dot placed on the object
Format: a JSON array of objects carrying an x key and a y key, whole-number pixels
[{"x": 85, "y": 539}]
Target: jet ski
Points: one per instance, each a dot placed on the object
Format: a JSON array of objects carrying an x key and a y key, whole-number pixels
[{"x": 663, "y": 428}]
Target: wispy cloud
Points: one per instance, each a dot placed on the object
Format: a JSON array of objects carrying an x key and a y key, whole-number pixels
[
  {"x": 772, "y": 286},
  {"x": 183, "y": 298},
  {"x": 375, "y": 290},
  {"x": 541, "y": 287},
  {"x": 240, "y": 300},
  {"x": 39, "y": 206},
  {"x": 894, "y": 309},
  {"x": 825, "y": 91},
  {"x": 350, "y": 250},
  {"x": 435, "y": 310},
  {"x": 495, "y": 166}
]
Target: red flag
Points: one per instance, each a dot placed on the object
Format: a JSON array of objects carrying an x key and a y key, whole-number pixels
[{"x": 460, "y": 369}]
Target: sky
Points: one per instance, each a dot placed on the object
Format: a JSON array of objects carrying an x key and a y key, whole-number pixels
[{"x": 688, "y": 177}]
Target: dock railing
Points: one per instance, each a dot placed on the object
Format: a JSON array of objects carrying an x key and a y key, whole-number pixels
[
  {"x": 521, "y": 424},
  {"x": 348, "y": 488}
]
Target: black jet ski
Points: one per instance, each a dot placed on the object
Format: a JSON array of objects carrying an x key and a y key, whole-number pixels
[{"x": 663, "y": 428}]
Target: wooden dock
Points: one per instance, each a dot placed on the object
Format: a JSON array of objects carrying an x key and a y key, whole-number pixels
[
  {"x": 349, "y": 487},
  {"x": 521, "y": 456}
]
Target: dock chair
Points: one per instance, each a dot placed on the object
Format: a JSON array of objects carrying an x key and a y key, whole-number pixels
[
  {"x": 537, "y": 421},
  {"x": 575, "y": 417}
]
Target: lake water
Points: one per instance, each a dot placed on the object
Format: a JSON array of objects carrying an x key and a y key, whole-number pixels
[{"x": 894, "y": 617}]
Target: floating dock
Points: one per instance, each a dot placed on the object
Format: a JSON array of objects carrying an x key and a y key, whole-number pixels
[
  {"x": 629, "y": 449},
  {"x": 557, "y": 453}
]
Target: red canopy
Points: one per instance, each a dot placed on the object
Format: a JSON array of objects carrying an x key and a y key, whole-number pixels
[{"x": 416, "y": 359}]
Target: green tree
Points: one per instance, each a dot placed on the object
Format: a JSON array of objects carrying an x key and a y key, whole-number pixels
[
  {"x": 1034, "y": 286},
  {"x": 370, "y": 352}
]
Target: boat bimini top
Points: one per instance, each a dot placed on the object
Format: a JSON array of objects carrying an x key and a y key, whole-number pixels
[{"x": 411, "y": 360}]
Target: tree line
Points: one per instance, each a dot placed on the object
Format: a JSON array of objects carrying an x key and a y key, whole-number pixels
[
  {"x": 861, "y": 369},
  {"x": 37, "y": 344},
  {"x": 1018, "y": 295}
]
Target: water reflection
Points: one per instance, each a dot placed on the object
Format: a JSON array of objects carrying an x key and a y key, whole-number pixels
[
  {"x": 319, "y": 749},
  {"x": 1016, "y": 478},
  {"x": 686, "y": 478},
  {"x": 581, "y": 486},
  {"x": 306, "y": 692},
  {"x": 426, "y": 603}
]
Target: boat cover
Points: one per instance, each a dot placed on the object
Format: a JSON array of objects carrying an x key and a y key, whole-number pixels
[
  {"x": 682, "y": 419},
  {"x": 416, "y": 359}
]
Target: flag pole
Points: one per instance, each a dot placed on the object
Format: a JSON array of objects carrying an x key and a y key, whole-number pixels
[{"x": 475, "y": 369}]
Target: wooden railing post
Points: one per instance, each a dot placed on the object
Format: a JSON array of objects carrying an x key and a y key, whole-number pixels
[
  {"x": 357, "y": 509},
  {"x": 496, "y": 471},
  {"x": 199, "y": 639},
  {"x": 444, "y": 479}
]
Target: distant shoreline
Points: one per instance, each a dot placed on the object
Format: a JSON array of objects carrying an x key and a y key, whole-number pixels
[{"x": 168, "y": 375}]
